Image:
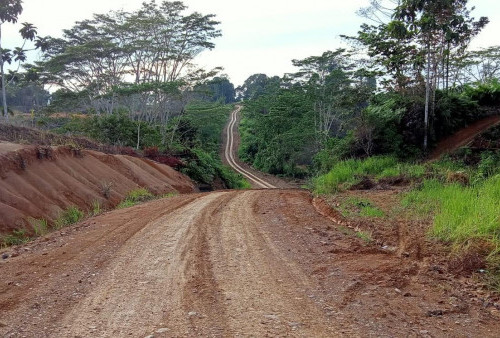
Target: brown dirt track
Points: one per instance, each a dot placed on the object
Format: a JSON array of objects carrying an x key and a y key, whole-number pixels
[
  {"x": 252, "y": 263},
  {"x": 41, "y": 181}
]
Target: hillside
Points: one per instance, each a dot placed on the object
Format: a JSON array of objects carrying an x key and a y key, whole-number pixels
[{"x": 42, "y": 181}]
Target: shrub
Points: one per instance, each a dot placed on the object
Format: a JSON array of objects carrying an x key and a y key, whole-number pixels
[
  {"x": 134, "y": 197},
  {"x": 40, "y": 226},
  {"x": 17, "y": 237},
  {"x": 68, "y": 217}
]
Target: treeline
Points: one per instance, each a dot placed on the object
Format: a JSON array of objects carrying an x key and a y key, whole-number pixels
[{"x": 419, "y": 85}]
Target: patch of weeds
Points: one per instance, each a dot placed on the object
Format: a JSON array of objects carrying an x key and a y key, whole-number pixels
[
  {"x": 365, "y": 236},
  {"x": 40, "y": 226},
  {"x": 355, "y": 206},
  {"x": 371, "y": 211},
  {"x": 17, "y": 237},
  {"x": 140, "y": 195},
  {"x": 96, "y": 208},
  {"x": 68, "y": 217},
  {"x": 136, "y": 196},
  {"x": 125, "y": 204},
  {"x": 169, "y": 195}
]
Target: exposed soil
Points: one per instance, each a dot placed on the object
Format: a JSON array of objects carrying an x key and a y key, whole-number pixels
[
  {"x": 40, "y": 182},
  {"x": 464, "y": 136},
  {"x": 252, "y": 263}
]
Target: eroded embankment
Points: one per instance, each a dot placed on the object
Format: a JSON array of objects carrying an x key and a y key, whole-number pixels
[{"x": 40, "y": 182}]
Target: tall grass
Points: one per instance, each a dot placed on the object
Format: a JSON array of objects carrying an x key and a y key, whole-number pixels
[
  {"x": 346, "y": 173},
  {"x": 461, "y": 213}
]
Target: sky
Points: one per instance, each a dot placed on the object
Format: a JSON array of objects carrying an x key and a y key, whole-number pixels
[{"x": 259, "y": 36}]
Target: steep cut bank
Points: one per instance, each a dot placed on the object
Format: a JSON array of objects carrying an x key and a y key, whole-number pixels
[{"x": 40, "y": 182}]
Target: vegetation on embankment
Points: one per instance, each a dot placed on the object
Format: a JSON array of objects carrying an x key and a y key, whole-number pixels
[
  {"x": 38, "y": 227},
  {"x": 459, "y": 200}
]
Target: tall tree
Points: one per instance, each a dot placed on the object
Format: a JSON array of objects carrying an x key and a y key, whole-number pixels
[{"x": 439, "y": 26}]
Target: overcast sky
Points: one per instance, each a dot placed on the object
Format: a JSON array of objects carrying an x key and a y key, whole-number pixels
[{"x": 259, "y": 36}]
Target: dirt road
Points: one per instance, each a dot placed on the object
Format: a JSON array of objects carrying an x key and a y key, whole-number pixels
[
  {"x": 253, "y": 263},
  {"x": 231, "y": 139}
]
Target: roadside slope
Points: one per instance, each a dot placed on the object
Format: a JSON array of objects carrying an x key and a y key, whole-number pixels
[
  {"x": 463, "y": 137},
  {"x": 40, "y": 182}
]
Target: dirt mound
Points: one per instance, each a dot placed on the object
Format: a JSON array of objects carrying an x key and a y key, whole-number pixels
[{"x": 42, "y": 181}]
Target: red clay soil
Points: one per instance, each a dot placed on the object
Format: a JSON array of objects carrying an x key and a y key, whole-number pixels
[
  {"x": 259, "y": 263},
  {"x": 464, "y": 136},
  {"x": 40, "y": 182}
]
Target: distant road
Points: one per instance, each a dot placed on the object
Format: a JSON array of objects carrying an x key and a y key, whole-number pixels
[{"x": 231, "y": 150}]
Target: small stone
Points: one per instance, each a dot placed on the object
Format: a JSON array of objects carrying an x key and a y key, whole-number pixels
[
  {"x": 5, "y": 256},
  {"x": 162, "y": 330},
  {"x": 435, "y": 313},
  {"x": 192, "y": 313}
]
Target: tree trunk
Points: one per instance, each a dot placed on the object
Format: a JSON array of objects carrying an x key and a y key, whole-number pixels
[
  {"x": 138, "y": 134},
  {"x": 427, "y": 97},
  {"x": 4, "y": 91}
]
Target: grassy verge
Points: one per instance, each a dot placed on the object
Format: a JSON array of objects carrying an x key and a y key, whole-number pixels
[
  {"x": 345, "y": 174},
  {"x": 460, "y": 203}
]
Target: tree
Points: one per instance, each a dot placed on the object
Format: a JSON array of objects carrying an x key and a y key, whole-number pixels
[
  {"x": 131, "y": 61},
  {"x": 9, "y": 11},
  {"x": 337, "y": 92},
  {"x": 439, "y": 26},
  {"x": 257, "y": 85}
]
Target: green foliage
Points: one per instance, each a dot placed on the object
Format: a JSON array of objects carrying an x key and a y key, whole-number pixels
[
  {"x": 40, "y": 226},
  {"x": 204, "y": 123},
  {"x": 487, "y": 94},
  {"x": 17, "y": 237},
  {"x": 454, "y": 111},
  {"x": 277, "y": 133},
  {"x": 134, "y": 197},
  {"x": 68, "y": 217},
  {"x": 206, "y": 168},
  {"x": 346, "y": 173},
  {"x": 334, "y": 150},
  {"x": 115, "y": 129}
]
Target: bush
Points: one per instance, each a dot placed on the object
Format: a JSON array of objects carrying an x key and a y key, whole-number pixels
[
  {"x": 68, "y": 217},
  {"x": 135, "y": 197},
  {"x": 17, "y": 237}
]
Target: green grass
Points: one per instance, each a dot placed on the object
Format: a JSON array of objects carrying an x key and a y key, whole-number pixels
[
  {"x": 461, "y": 215},
  {"x": 134, "y": 197},
  {"x": 371, "y": 211},
  {"x": 68, "y": 217},
  {"x": 96, "y": 208},
  {"x": 345, "y": 174},
  {"x": 40, "y": 226},
  {"x": 17, "y": 237}
]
